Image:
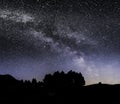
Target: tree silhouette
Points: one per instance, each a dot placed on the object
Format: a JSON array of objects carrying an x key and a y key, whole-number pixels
[
  {"x": 63, "y": 80},
  {"x": 34, "y": 81}
]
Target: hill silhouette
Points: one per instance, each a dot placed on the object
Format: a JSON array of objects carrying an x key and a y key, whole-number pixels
[
  {"x": 7, "y": 79},
  {"x": 57, "y": 88}
]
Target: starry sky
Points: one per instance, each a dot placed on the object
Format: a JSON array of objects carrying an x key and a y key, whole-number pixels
[{"x": 42, "y": 36}]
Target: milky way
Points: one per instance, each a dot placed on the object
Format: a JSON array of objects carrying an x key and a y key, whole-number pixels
[{"x": 41, "y": 36}]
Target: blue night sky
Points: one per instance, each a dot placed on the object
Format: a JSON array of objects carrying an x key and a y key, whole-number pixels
[{"x": 42, "y": 36}]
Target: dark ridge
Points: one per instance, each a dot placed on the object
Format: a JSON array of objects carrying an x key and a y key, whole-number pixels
[
  {"x": 7, "y": 77},
  {"x": 57, "y": 88}
]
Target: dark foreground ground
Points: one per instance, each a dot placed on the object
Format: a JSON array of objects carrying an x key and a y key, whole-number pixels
[
  {"x": 15, "y": 92},
  {"x": 89, "y": 94}
]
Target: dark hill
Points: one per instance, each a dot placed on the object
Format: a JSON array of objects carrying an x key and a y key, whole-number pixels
[
  {"x": 12, "y": 90},
  {"x": 7, "y": 79}
]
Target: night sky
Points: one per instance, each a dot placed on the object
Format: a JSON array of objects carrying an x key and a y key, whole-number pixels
[{"x": 42, "y": 36}]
